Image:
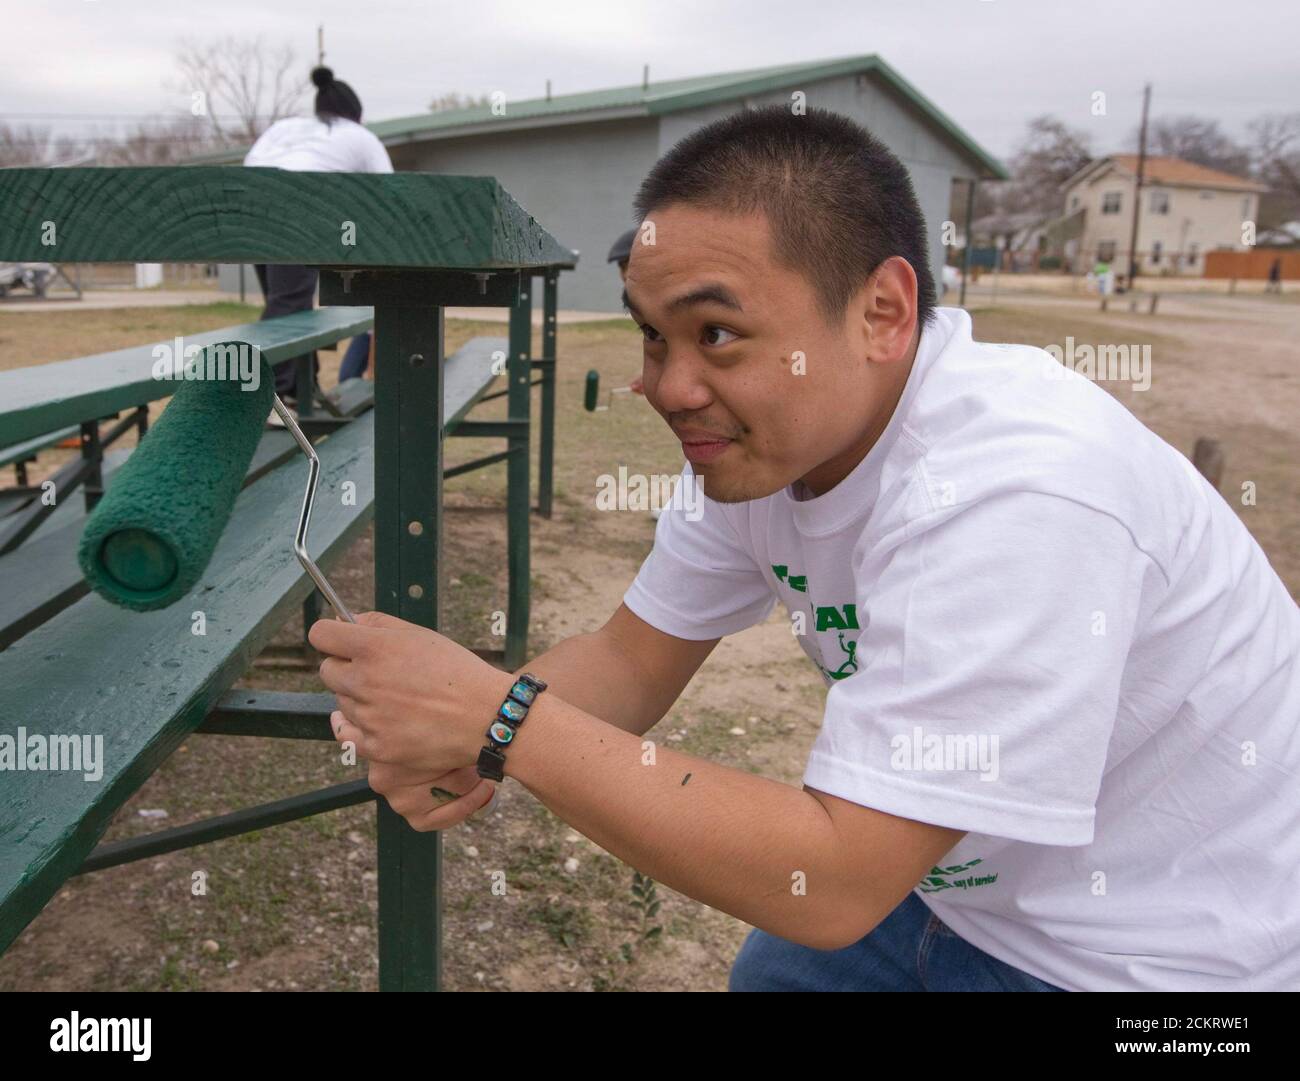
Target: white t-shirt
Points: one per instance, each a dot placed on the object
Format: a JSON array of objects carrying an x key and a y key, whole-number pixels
[
  {"x": 306, "y": 144},
  {"x": 1039, "y": 624}
]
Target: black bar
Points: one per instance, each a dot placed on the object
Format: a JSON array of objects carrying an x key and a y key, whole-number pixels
[
  {"x": 322, "y": 425},
  {"x": 132, "y": 420},
  {"x": 489, "y": 429},
  {"x": 92, "y": 450},
  {"x": 22, "y": 523},
  {"x": 477, "y": 463},
  {"x": 248, "y": 820},
  {"x": 273, "y": 714},
  {"x": 503, "y": 393}
]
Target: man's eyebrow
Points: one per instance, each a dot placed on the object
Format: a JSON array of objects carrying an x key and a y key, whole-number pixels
[{"x": 712, "y": 293}]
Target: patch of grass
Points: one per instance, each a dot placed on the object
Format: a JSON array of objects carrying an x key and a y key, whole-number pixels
[
  {"x": 709, "y": 736},
  {"x": 565, "y": 923}
]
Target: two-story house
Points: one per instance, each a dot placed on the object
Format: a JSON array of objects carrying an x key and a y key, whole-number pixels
[{"x": 1185, "y": 211}]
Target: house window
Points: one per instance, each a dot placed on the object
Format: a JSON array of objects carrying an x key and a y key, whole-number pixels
[
  {"x": 1245, "y": 208},
  {"x": 1110, "y": 202},
  {"x": 1074, "y": 202},
  {"x": 1191, "y": 254},
  {"x": 1207, "y": 195},
  {"x": 1159, "y": 202},
  {"x": 1106, "y": 251},
  {"x": 1156, "y": 249}
]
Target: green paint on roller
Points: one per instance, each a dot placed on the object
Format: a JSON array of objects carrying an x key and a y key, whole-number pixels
[
  {"x": 152, "y": 535},
  {"x": 138, "y": 560}
]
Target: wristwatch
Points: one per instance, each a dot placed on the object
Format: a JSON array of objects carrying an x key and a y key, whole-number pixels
[{"x": 501, "y": 732}]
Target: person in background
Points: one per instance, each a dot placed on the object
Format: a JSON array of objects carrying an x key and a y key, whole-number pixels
[
  {"x": 332, "y": 141},
  {"x": 1102, "y": 275},
  {"x": 1274, "y": 277},
  {"x": 620, "y": 253},
  {"x": 356, "y": 361}
]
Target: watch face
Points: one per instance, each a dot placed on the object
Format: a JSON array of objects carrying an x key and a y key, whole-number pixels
[
  {"x": 523, "y": 693},
  {"x": 512, "y": 711},
  {"x": 500, "y": 733}
]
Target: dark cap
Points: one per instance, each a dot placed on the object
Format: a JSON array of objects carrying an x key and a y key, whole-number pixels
[{"x": 622, "y": 248}]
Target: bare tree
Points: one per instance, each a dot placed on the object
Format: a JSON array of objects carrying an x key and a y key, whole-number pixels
[
  {"x": 1276, "y": 149},
  {"x": 33, "y": 145},
  {"x": 1047, "y": 155},
  {"x": 1195, "y": 139},
  {"x": 452, "y": 100},
  {"x": 240, "y": 86},
  {"x": 155, "y": 142}
]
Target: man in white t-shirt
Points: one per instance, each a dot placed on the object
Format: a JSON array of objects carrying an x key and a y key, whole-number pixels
[{"x": 1059, "y": 747}]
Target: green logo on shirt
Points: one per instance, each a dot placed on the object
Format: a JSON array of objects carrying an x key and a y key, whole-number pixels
[
  {"x": 941, "y": 878},
  {"x": 827, "y": 617},
  {"x": 849, "y": 666},
  {"x": 843, "y": 618},
  {"x": 795, "y": 581}
]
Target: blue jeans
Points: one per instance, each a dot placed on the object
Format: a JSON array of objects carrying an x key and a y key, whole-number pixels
[
  {"x": 911, "y": 950},
  {"x": 357, "y": 359}
]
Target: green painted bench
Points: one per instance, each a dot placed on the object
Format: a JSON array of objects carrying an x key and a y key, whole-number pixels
[
  {"x": 407, "y": 245},
  {"x": 246, "y": 595},
  {"x": 35, "y": 402},
  {"x": 19, "y": 455},
  {"x": 42, "y": 577}
]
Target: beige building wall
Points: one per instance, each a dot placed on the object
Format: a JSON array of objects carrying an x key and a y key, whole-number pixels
[{"x": 1172, "y": 241}]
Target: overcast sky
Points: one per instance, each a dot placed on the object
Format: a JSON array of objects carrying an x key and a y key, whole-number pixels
[{"x": 989, "y": 64}]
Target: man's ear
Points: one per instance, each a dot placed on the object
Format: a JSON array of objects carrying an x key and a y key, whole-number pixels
[{"x": 891, "y": 309}]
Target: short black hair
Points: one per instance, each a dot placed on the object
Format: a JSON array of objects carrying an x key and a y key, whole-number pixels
[
  {"x": 839, "y": 202},
  {"x": 334, "y": 98}
]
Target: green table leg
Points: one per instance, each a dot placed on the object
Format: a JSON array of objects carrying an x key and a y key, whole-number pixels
[
  {"x": 518, "y": 498},
  {"x": 546, "y": 452},
  {"x": 305, "y": 382},
  {"x": 93, "y": 486},
  {"x": 408, "y": 535}
]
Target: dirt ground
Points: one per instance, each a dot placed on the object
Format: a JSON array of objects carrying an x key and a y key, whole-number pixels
[{"x": 293, "y": 907}]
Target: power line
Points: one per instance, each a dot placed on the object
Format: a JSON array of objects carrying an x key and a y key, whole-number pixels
[
  {"x": 115, "y": 138},
  {"x": 133, "y": 116}
]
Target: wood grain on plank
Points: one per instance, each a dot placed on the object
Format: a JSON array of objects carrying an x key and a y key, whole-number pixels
[{"x": 234, "y": 214}]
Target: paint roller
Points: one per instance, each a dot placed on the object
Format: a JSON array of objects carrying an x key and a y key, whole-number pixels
[
  {"x": 591, "y": 393},
  {"x": 152, "y": 535}
]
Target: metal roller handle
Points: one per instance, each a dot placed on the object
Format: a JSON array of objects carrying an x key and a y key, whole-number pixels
[{"x": 304, "y": 519}]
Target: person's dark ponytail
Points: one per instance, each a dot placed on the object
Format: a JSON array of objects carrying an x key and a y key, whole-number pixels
[{"x": 334, "y": 98}]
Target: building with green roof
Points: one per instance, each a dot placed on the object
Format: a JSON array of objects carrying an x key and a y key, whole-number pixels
[{"x": 575, "y": 160}]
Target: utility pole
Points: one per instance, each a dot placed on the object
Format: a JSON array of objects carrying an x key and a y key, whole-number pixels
[
  {"x": 320, "y": 46},
  {"x": 1137, "y": 191},
  {"x": 970, "y": 237}
]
